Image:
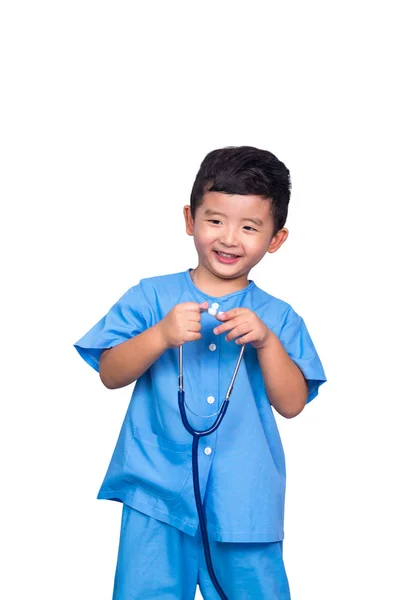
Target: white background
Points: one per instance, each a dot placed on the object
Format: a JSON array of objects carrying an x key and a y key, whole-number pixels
[{"x": 108, "y": 109}]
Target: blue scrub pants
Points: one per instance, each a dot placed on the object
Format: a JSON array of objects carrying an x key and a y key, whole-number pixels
[{"x": 156, "y": 560}]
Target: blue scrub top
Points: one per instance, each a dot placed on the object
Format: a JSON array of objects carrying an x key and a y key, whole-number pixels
[{"x": 242, "y": 464}]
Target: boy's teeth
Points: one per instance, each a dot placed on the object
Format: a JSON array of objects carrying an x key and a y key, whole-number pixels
[{"x": 227, "y": 255}]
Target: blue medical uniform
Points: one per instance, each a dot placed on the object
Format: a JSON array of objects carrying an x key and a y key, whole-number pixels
[
  {"x": 242, "y": 464},
  {"x": 169, "y": 564}
]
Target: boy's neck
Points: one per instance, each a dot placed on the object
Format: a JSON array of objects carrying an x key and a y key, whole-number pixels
[{"x": 215, "y": 286}]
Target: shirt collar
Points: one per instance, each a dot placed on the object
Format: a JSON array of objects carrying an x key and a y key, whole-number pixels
[{"x": 221, "y": 299}]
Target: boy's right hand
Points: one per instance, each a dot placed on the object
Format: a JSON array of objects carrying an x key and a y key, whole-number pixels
[{"x": 182, "y": 324}]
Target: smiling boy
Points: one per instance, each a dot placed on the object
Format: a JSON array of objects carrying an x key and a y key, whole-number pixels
[
  {"x": 237, "y": 213},
  {"x": 232, "y": 233}
]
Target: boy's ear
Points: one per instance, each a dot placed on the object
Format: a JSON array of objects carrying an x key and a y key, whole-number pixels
[
  {"x": 279, "y": 238},
  {"x": 189, "y": 222}
]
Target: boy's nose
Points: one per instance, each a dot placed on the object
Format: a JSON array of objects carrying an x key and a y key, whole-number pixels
[{"x": 229, "y": 238}]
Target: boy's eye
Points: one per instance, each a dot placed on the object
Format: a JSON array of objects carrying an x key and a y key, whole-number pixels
[{"x": 217, "y": 222}]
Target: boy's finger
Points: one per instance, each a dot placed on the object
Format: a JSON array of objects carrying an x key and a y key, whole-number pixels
[
  {"x": 194, "y": 326},
  {"x": 203, "y": 307},
  {"x": 228, "y": 326},
  {"x": 194, "y": 306},
  {"x": 230, "y": 314}
]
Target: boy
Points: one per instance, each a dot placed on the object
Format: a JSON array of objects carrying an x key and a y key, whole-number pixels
[{"x": 237, "y": 212}]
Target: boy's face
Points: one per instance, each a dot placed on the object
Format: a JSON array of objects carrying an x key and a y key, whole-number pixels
[{"x": 232, "y": 233}]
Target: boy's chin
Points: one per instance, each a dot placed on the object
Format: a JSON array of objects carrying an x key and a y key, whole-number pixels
[{"x": 230, "y": 275}]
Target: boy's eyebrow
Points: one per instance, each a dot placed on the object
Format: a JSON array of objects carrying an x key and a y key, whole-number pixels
[{"x": 254, "y": 220}]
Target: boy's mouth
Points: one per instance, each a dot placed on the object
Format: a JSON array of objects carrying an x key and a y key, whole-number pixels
[{"x": 227, "y": 257}]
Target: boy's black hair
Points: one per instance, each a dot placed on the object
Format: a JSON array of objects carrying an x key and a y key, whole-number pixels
[{"x": 244, "y": 170}]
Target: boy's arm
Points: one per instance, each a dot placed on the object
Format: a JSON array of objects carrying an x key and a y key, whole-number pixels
[
  {"x": 126, "y": 362},
  {"x": 285, "y": 383}
]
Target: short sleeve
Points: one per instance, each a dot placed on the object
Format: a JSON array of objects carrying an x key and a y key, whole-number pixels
[
  {"x": 123, "y": 321},
  {"x": 299, "y": 346}
]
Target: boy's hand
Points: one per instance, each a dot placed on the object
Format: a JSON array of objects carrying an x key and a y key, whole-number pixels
[
  {"x": 182, "y": 324},
  {"x": 243, "y": 323}
]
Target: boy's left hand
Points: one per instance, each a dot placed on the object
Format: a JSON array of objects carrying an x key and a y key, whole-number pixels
[{"x": 244, "y": 324}]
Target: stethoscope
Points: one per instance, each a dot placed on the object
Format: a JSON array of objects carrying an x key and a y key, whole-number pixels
[{"x": 195, "y": 465}]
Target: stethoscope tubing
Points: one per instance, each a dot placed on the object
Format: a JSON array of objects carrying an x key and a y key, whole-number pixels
[{"x": 195, "y": 464}]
